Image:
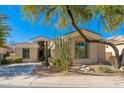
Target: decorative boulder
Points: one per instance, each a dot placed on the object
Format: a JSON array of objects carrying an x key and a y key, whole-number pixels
[
  {"x": 87, "y": 69},
  {"x": 122, "y": 68}
]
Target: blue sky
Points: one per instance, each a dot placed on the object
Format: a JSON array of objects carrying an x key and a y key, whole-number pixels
[{"x": 23, "y": 30}]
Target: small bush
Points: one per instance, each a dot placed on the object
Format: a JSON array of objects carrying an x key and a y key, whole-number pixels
[
  {"x": 7, "y": 60},
  {"x": 105, "y": 69},
  {"x": 18, "y": 60},
  {"x": 4, "y": 61}
]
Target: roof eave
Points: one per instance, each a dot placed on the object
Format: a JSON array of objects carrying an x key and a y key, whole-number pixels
[{"x": 86, "y": 30}]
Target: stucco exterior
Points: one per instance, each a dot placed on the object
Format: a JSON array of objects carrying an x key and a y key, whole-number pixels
[
  {"x": 119, "y": 43},
  {"x": 120, "y": 48},
  {"x": 101, "y": 52},
  {"x": 95, "y": 52},
  {"x": 33, "y": 51}
]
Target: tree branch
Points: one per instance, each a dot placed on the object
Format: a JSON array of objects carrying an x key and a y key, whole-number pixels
[
  {"x": 51, "y": 9},
  {"x": 120, "y": 13},
  {"x": 94, "y": 41},
  {"x": 73, "y": 23}
]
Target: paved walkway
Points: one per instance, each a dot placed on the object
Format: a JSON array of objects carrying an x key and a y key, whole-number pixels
[
  {"x": 62, "y": 81},
  {"x": 26, "y": 80}
]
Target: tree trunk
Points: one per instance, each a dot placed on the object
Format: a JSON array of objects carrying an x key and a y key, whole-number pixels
[
  {"x": 118, "y": 62},
  {"x": 46, "y": 54}
]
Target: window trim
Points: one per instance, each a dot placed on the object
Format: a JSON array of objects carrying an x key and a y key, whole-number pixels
[{"x": 26, "y": 53}]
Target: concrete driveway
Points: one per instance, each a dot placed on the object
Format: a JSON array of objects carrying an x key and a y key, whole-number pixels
[
  {"x": 17, "y": 69},
  {"x": 18, "y": 75}
]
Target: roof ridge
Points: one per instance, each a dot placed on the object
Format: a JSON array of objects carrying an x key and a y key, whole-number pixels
[
  {"x": 40, "y": 36},
  {"x": 115, "y": 37},
  {"x": 83, "y": 29}
]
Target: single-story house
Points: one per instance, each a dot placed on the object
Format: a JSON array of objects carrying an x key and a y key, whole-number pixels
[
  {"x": 93, "y": 52},
  {"x": 119, "y": 43},
  {"x": 30, "y": 51},
  {"x": 34, "y": 51}
]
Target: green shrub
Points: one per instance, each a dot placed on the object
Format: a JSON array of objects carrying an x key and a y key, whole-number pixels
[
  {"x": 18, "y": 60},
  {"x": 4, "y": 61},
  {"x": 7, "y": 60},
  {"x": 105, "y": 69},
  {"x": 61, "y": 57}
]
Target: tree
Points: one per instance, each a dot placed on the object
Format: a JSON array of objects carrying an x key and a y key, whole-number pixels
[
  {"x": 3, "y": 30},
  {"x": 109, "y": 16}
]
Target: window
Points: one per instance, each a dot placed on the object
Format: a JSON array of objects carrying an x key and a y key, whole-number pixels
[
  {"x": 25, "y": 52},
  {"x": 81, "y": 50}
]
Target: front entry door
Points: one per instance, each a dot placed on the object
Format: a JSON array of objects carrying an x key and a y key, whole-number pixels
[{"x": 41, "y": 54}]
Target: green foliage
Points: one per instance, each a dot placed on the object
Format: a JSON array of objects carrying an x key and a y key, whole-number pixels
[
  {"x": 80, "y": 51},
  {"x": 9, "y": 60},
  {"x": 61, "y": 55},
  {"x": 4, "y": 61},
  {"x": 109, "y": 16},
  {"x": 3, "y": 30},
  {"x": 105, "y": 69},
  {"x": 18, "y": 60}
]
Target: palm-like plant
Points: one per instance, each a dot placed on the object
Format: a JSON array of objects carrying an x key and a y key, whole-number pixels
[
  {"x": 3, "y": 30},
  {"x": 109, "y": 16}
]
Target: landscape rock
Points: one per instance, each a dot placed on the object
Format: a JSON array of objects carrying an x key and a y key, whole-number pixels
[
  {"x": 122, "y": 68},
  {"x": 87, "y": 69}
]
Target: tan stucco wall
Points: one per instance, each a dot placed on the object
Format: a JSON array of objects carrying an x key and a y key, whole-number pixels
[
  {"x": 93, "y": 52},
  {"x": 33, "y": 50},
  {"x": 33, "y": 54},
  {"x": 96, "y": 53},
  {"x": 109, "y": 49},
  {"x": 26, "y": 45},
  {"x": 73, "y": 50},
  {"x": 18, "y": 52},
  {"x": 110, "y": 52},
  {"x": 101, "y": 52}
]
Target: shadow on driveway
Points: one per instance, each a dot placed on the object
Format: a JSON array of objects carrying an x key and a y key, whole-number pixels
[{"x": 17, "y": 69}]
